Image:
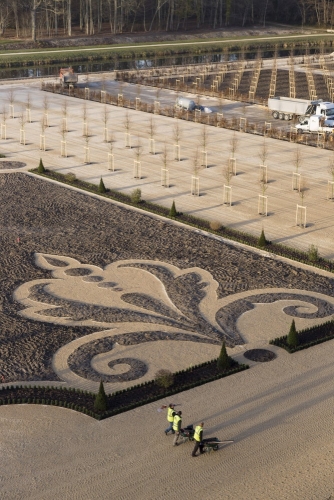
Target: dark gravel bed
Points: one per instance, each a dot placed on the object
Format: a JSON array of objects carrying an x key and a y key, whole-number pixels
[
  {"x": 260, "y": 355},
  {"x": 51, "y": 219},
  {"x": 7, "y": 164}
]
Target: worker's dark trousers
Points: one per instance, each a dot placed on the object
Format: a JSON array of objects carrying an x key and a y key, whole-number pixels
[{"x": 197, "y": 445}]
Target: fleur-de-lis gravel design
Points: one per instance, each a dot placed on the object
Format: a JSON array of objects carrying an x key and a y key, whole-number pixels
[{"x": 124, "y": 291}]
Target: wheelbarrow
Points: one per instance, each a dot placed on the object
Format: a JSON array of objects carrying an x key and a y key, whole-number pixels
[
  {"x": 212, "y": 444},
  {"x": 188, "y": 433}
]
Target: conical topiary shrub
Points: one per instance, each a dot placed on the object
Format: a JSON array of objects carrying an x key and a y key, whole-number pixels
[
  {"x": 100, "y": 403},
  {"x": 292, "y": 338},
  {"x": 224, "y": 361},
  {"x": 41, "y": 168},
  {"x": 173, "y": 212},
  {"x": 102, "y": 188},
  {"x": 262, "y": 240}
]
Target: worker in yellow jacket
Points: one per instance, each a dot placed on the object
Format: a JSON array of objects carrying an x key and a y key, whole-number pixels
[
  {"x": 170, "y": 418},
  {"x": 177, "y": 427},
  {"x": 198, "y": 437}
]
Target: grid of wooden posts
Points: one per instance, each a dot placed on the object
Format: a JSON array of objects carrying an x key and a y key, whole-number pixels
[
  {"x": 194, "y": 188},
  {"x": 177, "y": 152},
  {"x": 42, "y": 142},
  {"x": 220, "y": 117},
  {"x": 301, "y": 216},
  {"x": 136, "y": 169},
  {"x": 330, "y": 190},
  {"x": 3, "y": 131},
  {"x": 22, "y": 136},
  {"x": 28, "y": 115},
  {"x": 204, "y": 159},
  {"x": 87, "y": 154},
  {"x": 165, "y": 177},
  {"x": 232, "y": 165},
  {"x": 267, "y": 127},
  {"x": 263, "y": 174},
  {"x": 105, "y": 134},
  {"x": 156, "y": 108},
  {"x": 242, "y": 124},
  {"x": 85, "y": 129},
  {"x": 120, "y": 101},
  {"x": 151, "y": 146},
  {"x": 127, "y": 140},
  {"x": 296, "y": 180},
  {"x": 63, "y": 149},
  {"x": 227, "y": 195},
  {"x": 262, "y": 206},
  {"x": 111, "y": 163}
]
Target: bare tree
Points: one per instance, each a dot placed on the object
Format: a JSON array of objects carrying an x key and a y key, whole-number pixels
[
  {"x": 302, "y": 190},
  {"x": 234, "y": 142},
  {"x": 263, "y": 152},
  {"x": 297, "y": 159},
  {"x": 177, "y": 133},
  {"x": 227, "y": 173},
  {"x": 164, "y": 157}
]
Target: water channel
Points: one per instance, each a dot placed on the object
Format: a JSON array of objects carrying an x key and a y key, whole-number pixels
[{"x": 179, "y": 60}]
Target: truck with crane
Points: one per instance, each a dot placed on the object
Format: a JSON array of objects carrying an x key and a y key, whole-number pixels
[
  {"x": 68, "y": 77},
  {"x": 316, "y": 124}
]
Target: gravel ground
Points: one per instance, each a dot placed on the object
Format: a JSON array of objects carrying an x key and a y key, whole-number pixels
[{"x": 37, "y": 216}]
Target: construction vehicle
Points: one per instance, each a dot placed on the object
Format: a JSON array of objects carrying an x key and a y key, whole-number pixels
[
  {"x": 189, "y": 105},
  {"x": 316, "y": 124},
  {"x": 68, "y": 77},
  {"x": 185, "y": 103},
  {"x": 287, "y": 108}
]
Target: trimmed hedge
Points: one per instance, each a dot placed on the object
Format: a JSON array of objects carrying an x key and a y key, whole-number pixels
[
  {"x": 319, "y": 334},
  {"x": 118, "y": 402}
]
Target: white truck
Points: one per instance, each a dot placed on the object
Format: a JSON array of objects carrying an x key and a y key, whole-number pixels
[
  {"x": 316, "y": 124},
  {"x": 286, "y": 108}
]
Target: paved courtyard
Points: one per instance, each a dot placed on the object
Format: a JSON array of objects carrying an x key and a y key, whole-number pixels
[
  {"x": 90, "y": 289},
  {"x": 280, "y": 225}
]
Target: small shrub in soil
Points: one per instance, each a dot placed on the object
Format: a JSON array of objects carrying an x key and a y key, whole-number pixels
[
  {"x": 224, "y": 361},
  {"x": 136, "y": 196},
  {"x": 313, "y": 253},
  {"x": 102, "y": 188},
  {"x": 173, "y": 212},
  {"x": 41, "y": 168},
  {"x": 70, "y": 177},
  {"x": 164, "y": 378},
  {"x": 292, "y": 338},
  {"x": 215, "y": 225}
]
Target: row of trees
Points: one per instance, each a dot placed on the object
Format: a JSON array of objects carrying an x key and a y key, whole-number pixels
[{"x": 40, "y": 18}]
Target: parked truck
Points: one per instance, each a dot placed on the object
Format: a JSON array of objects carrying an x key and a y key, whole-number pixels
[
  {"x": 316, "y": 124},
  {"x": 68, "y": 77},
  {"x": 287, "y": 108}
]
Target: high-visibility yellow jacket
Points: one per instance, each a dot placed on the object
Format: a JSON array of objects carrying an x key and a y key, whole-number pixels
[
  {"x": 170, "y": 414},
  {"x": 198, "y": 433},
  {"x": 177, "y": 423}
]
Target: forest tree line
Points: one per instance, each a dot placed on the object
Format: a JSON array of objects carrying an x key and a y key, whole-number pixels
[{"x": 50, "y": 18}]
